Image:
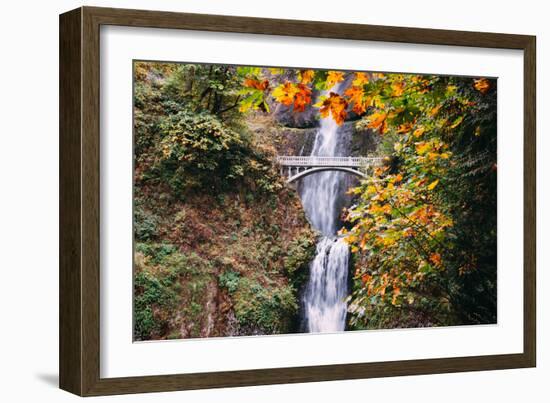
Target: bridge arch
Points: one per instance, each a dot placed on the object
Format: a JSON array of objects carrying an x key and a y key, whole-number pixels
[{"x": 310, "y": 171}]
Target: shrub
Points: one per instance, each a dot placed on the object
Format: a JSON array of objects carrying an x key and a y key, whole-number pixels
[
  {"x": 266, "y": 308},
  {"x": 229, "y": 280},
  {"x": 145, "y": 224}
]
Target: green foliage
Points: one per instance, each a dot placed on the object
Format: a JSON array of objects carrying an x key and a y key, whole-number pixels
[
  {"x": 145, "y": 224},
  {"x": 168, "y": 283},
  {"x": 197, "y": 149},
  {"x": 156, "y": 251},
  {"x": 265, "y": 307},
  {"x": 188, "y": 131},
  {"x": 229, "y": 280},
  {"x": 150, "y": 293},
  {"x": 300, "y": 252}
]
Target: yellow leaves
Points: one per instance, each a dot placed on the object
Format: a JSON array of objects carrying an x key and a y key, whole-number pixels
[
  {"x": 376, "y": 208},
  {"x": 450, "y": 90},
  {"x": 335, "y": 106},
  {"x": 276, "y": 71},
  {"x": 457, "y": 122},
  {"x": 256, "y": 84},
  {"x": 285, "y": 93},
  {"x": 419, "y": 132},
  {"x": 333, "y": 78},
  {"x": 297, "y": 94},
  {"x": 386, "y": 240},
  {"x": 377, "y": 121},
  {"x": 360, "y": 79},
  {"x": 398, "y": 88},
  {"x": 482, "y": 85},
  {"x": 432, "y": 185},
  {"x": 422, "y": 147},
  {"x": 306, "y": 76},
  {"x": 371, "y": 190}
]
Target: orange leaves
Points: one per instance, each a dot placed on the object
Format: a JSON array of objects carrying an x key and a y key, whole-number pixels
[
  {"x": 306, "y": 76},
  {"x": 396, "y": 292},
  {"x": 435, "y": 258},
  {"x": 419, "y": 132},
  {"x": 422, "y": 215},
  {"x": 434, "y": 111},
  {"x": 356, "y": 95},
  {"x": 333, "y": 78},
  {"x": 256, "y": 84},
  {"x": 360, "y": 79},
  {"x": 288, "y": 94},
  {"x": 482, "y": 85},
  {"x": 405, "y": 127},
  {"x": 398, "y": 88},
  {"x": 377, "y": 121},
  {"x": 285, "y": 93},
  {"x": 336, "y": 106},
  {"x": 302, "y": 98}
]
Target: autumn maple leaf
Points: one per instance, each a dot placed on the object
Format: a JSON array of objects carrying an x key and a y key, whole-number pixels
[
  {"x": 306, "y": 76},
  {"x": 253, "y": 83},
  {"x": 377, "y": 121},
  {"x": 482, "y": 85},
  {"x": 333, "y": 78},
  {"x": 285, "y": 93},
  {"x": 356, "y": 95},
  {"x": 398, "y": 88},
  {"x": 298, "y": 95},
  {"x": 302, "y": 98},
  {"x": 360, "y": 79},
  {"x": 336, "y": 106}
]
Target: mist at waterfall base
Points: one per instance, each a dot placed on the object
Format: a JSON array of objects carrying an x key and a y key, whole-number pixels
[{"x": 324, "y": 305}]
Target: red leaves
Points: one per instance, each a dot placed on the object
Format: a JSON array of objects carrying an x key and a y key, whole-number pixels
[{"x": 302, "y": 98}]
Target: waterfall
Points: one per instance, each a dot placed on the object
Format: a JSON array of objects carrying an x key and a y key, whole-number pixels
[{"x": 324, "y": 306}]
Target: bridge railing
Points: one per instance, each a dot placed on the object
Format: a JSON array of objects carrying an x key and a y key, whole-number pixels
[{"x": 315, "y": 161}]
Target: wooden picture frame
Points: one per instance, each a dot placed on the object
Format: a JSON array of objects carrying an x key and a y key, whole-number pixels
[{"x": 79, "y": 201}]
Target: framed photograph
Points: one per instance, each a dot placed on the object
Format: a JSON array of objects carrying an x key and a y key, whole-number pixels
[{"x": 249, "y": 201}]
